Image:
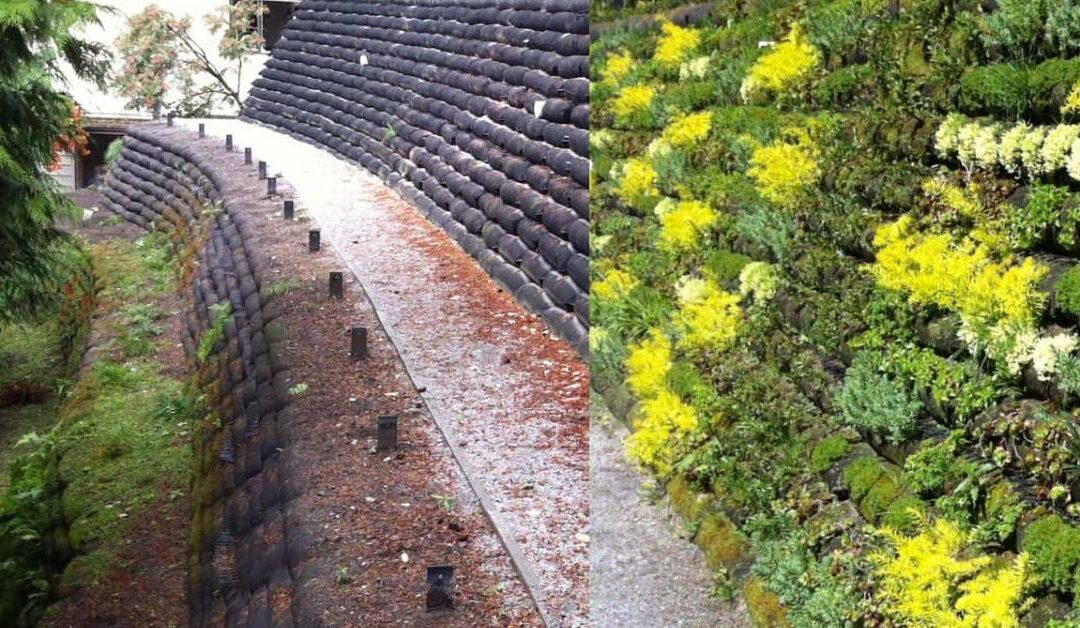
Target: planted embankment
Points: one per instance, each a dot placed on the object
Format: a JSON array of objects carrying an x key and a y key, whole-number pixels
[
  {"x": 488, "y": 140},
  {"x": 242, "y": 543}
]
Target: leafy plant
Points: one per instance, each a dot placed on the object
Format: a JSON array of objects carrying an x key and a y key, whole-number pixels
[{"x": 220, "y": 314}]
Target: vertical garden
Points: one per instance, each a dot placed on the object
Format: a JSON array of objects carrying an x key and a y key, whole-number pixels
[{"x": 835, "y": 295}]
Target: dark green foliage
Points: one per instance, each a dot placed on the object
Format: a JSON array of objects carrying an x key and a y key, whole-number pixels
[
  {"x": 1054, "y": 547},
  {"x": 1067, "y": 291},
  {"x": 35, "y": 37},
  {"x": 1001, "y": 88},
  {"x": 1015, "y": 91}
]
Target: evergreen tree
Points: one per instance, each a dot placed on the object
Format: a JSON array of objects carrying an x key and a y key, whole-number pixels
[{"x": 36, "y": 38}]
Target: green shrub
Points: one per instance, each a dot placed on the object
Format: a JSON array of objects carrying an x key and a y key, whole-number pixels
[
  {"x": 930, "y": 470},
  {"x": 904, "y": 514},
  {"x": 1001, "y": 88},
  {"x": 836, "y": 26},
  {"x": 1054, "y": 548},
  {"x": 1045, "y": 208},
  {"x": 1067, "y": 291},
  {"x": 871, "y": 401},
  {"x": 828, "y": 451},
  {"x": 769, "y": 228},
  {"x": 724, "y": 265},
  {"x": 839, "y": 87}
]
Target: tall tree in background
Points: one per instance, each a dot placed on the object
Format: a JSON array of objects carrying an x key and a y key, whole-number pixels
[
  {"x": 36, "y": 37},
  {"x": 165, "y": 67}
]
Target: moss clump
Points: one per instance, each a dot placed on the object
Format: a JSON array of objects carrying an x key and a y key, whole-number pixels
[
  {"x": 725, "y": 266},
  {"x": 1067, "y": 291},
  {"x": 721, "y": 542},
  {"x": 880, "y": 496},
  {"x": 1054, "y": 547},
  {"x": 827, "y": 452},
  {"x": 685, "y": 500},
  {"x": 861, "y": 474},
  {"x": 766, "y": 610}
]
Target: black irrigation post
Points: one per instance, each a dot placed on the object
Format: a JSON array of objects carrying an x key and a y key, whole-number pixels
[
  {"x": 386, "y": 432},
  {"x": 202, "y": 130},
  {"x": 247, "y": 156},
  {"x": 358, "y": 348},
  {"x": 313, "y": 240},
  {"x": 228, "y": 142},
  {"x": 262, "y": 170},
  {"x": 288, "y": 209},
  {"x": 337, "y": 285},
  {"x": 271, "y": 186},
  {"x": 440, "y": 582}
]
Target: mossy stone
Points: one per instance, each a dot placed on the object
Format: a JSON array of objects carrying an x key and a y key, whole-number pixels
[
  {"x": 721, "y": 542},
  {"x": 765, "y": 608}
]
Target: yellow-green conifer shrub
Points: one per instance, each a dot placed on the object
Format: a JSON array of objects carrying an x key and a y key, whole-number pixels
[
  {"x": 709, "y": 320},
  {"x": 959, "y": 276},
  {"x": 648, "y": 364},
  {"x": 617, "y": 68},
  {"x": 935, "y": 579},
  {"x": 636, "y": 182},
  {"x": 613, "y": 285},
  {"x": 789, "y": 63},
  {"x": 664, "y": 421},
  {"x": 675, "y": 45},
  {"x": 631, "y": 101},
  {"x": 688, "y": 130},
  {"x": 783, "y": 170},
  {"x": 682, "y": 224}
]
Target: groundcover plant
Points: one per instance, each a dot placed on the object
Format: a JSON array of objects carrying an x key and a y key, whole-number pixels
[{"x": 836, "y": 291}]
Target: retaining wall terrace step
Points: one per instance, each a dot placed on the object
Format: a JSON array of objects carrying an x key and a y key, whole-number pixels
[{"x": 476, "y": 112}]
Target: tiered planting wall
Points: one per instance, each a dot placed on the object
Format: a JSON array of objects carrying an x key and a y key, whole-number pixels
[
  {"x": 476, "y": 112},
  {"x": 837, "y": 299},
  {"x": 241, "y": 548}
]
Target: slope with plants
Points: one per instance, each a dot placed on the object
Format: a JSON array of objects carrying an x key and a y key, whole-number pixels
[{"x": 836, "y": 292}]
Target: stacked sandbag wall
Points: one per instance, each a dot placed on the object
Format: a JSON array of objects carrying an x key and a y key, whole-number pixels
[
  {"x": 239, "y": 559},
  {"x": 476, "y": 112}
]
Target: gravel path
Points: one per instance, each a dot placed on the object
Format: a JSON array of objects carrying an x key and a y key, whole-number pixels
[
  {"x": 641, "y": 573},
  {"x": 511, "y": 397}
]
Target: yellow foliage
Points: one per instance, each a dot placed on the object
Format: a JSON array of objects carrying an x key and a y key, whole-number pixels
[
  {"x": 1072, "y": 101},
  {"x": 783, "y": 170},
  {"x": 933, "y": 580},
  {"x": 786, "y": 64},
  {"x": 617, "y": 68},
  {"x": 648, "y": 364},
  {"x": 637, "y": 181},
  {"x": 664, "y": 421},
  {"x": 688, "y": 130},
  {"x": 711, "y": 321},
  {"x": 615, "y": 284},
  {"x": 961, "y": 277},
  {"x": 632, "y": 99},
  {"x": 675, "y": 45},
  {"x": 681, "y": 226}
]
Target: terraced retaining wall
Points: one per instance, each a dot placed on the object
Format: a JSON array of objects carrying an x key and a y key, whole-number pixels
[
  {"x": 476, "y": 112},
  {"x": 241, "y": 545}
]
